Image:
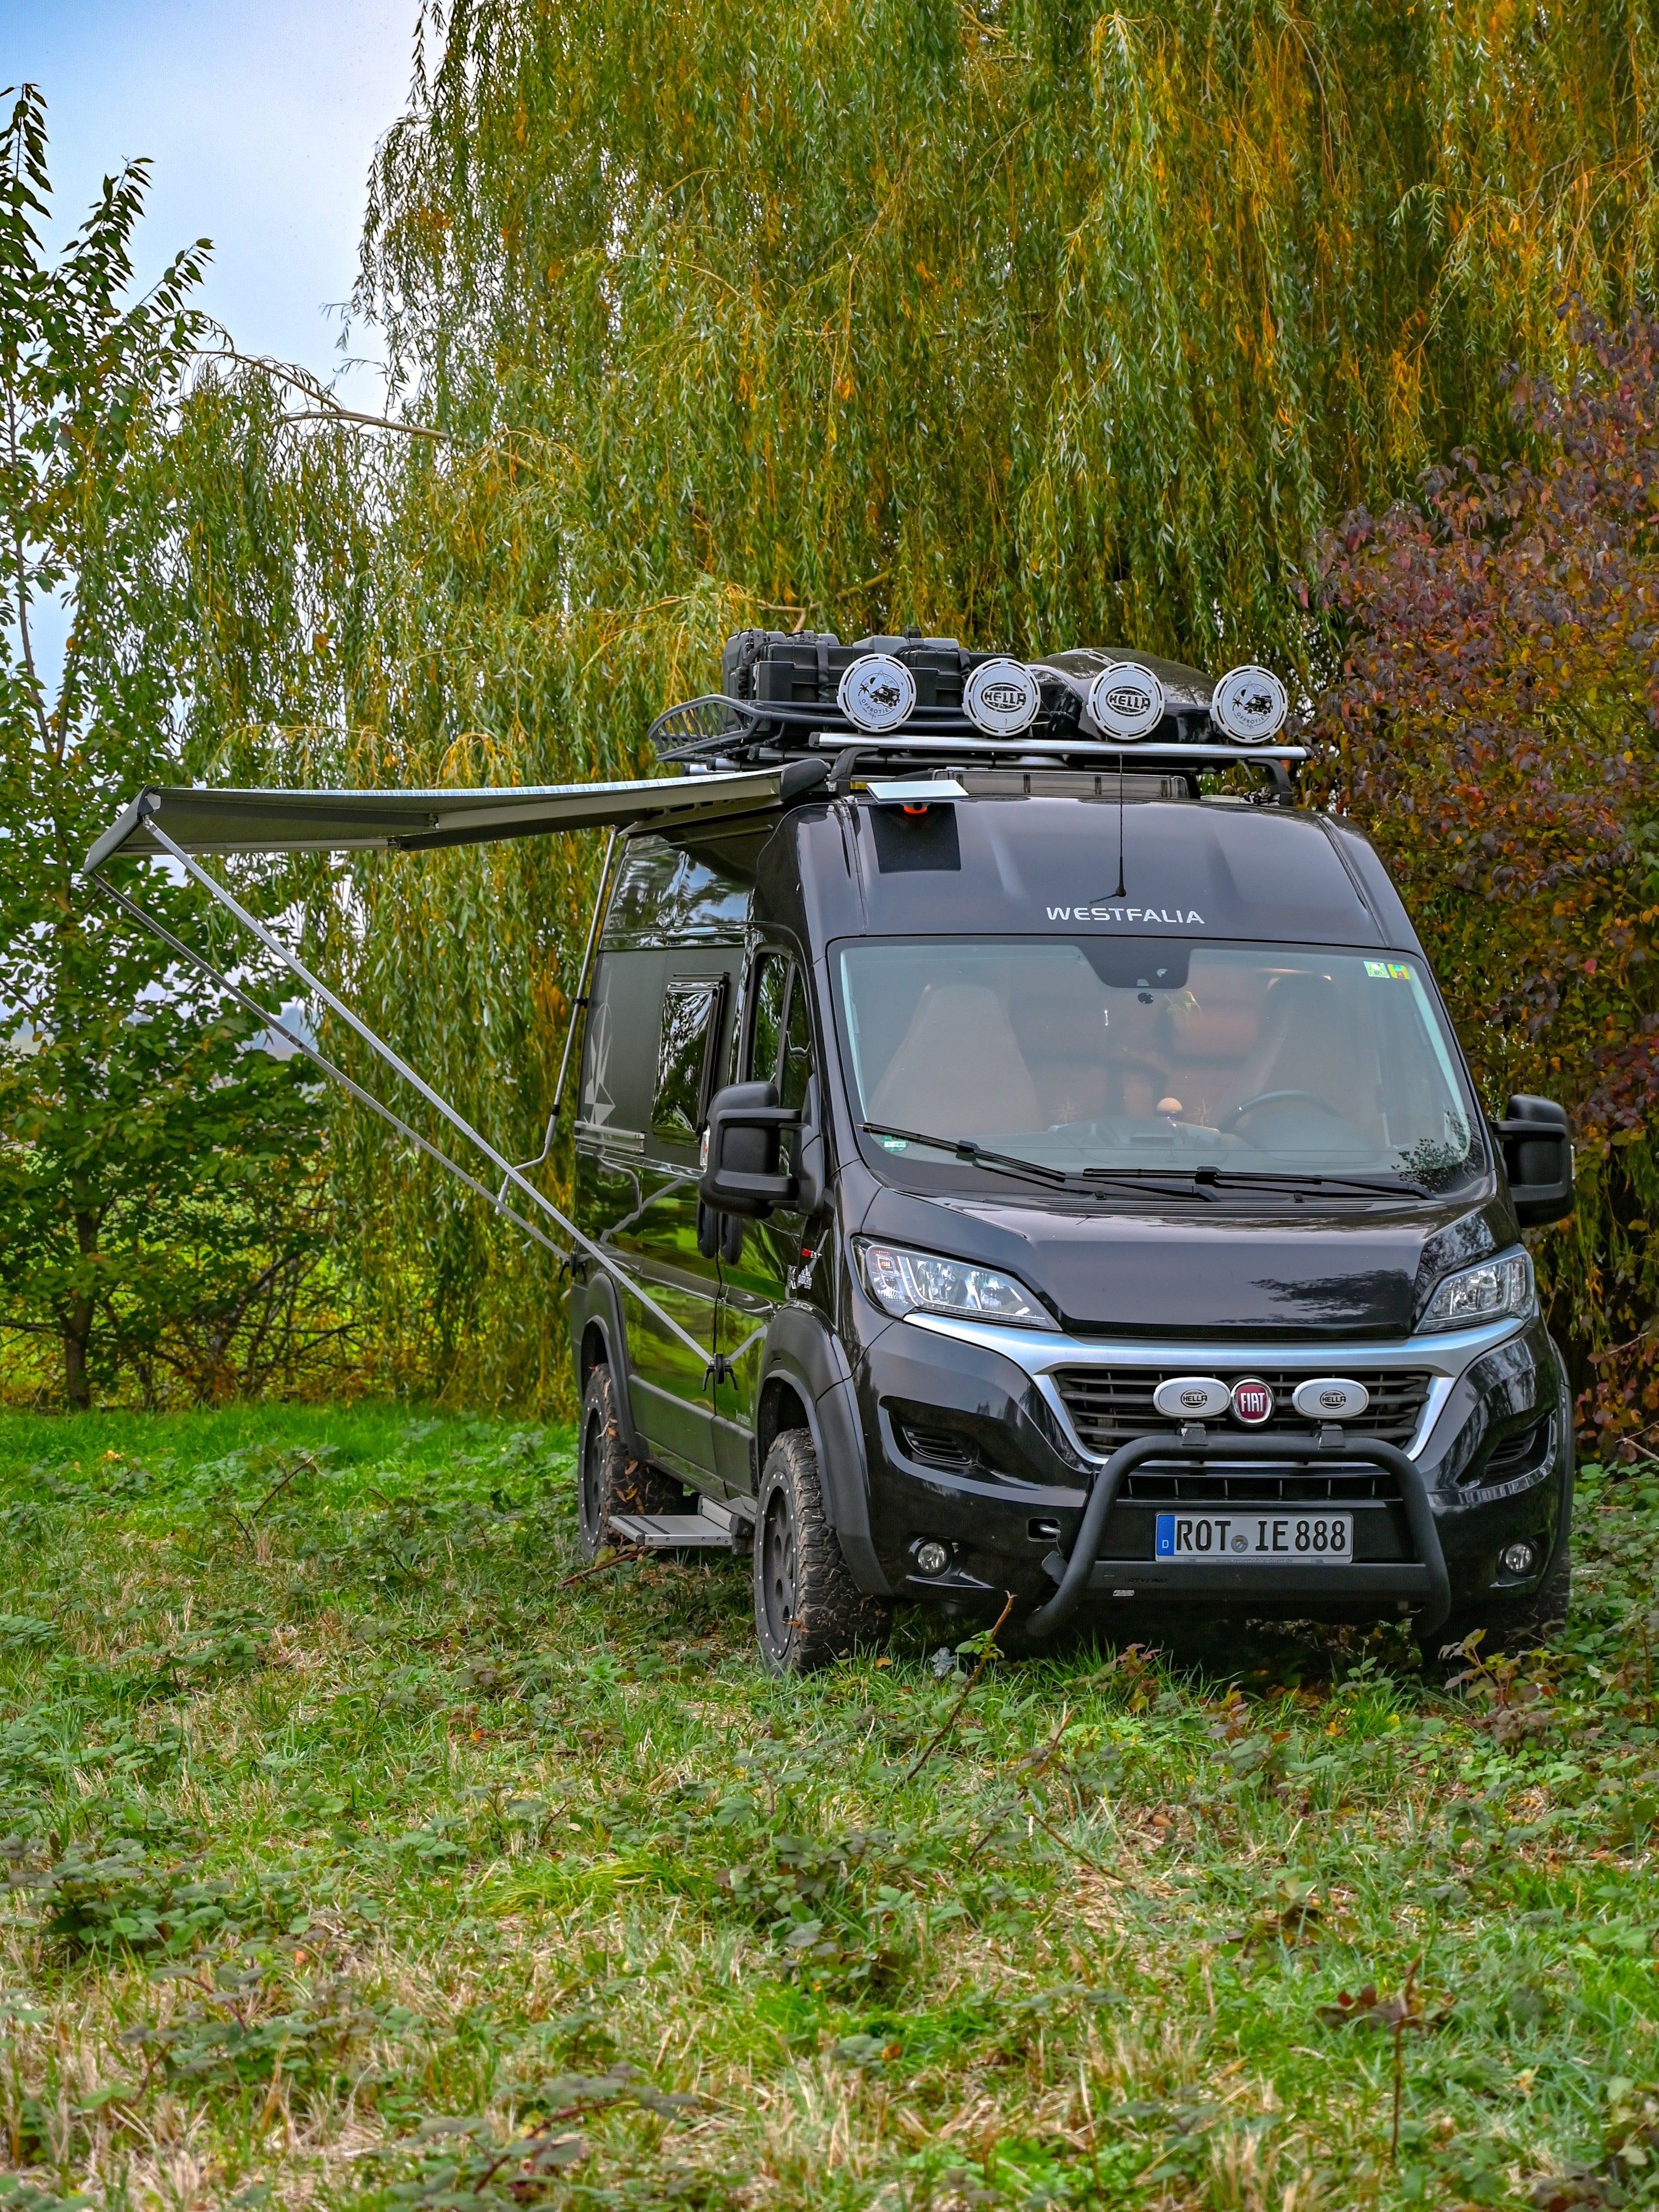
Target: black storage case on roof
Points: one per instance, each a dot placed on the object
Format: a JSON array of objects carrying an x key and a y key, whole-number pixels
[{"x": 804, "y": 668}]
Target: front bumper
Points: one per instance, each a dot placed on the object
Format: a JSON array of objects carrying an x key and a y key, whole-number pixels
[{"x": 969, "y": 1445}]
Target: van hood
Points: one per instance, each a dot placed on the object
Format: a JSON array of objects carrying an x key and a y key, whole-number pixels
[{"x": 1199, "y": 1272}]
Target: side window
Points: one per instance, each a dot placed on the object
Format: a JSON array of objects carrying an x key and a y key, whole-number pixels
[
  {"x": 619, "y": 1066},
  {"x": 769, "y": 1005},
  {"x": 797, "y": 1070},
  {"x": 687, "y": 1045}
]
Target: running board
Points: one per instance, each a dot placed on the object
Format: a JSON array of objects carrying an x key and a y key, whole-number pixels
[{"x": 718, "y": 1525}]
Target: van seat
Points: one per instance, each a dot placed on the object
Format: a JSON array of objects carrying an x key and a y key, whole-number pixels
[
  {"x": 959, "y": 1071},
  {"x": 1229, "y": 1030}
]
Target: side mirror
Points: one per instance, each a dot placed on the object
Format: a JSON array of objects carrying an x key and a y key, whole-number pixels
[
  {"x": 1538, "y": 1159},
  {"x": 741, "y": 1172}
]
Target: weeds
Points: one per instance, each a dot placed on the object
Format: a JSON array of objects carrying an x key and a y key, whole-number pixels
[{"x": 355, "y": 1855}]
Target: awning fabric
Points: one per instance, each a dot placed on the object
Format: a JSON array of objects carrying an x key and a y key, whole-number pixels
[{"x": 207, "y": 821}]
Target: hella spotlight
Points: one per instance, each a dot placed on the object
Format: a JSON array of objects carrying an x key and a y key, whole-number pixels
[
  {"x": 1249, "y": 705},
  {"x": 1001, "y": 698},
  {"x": 1127, "y": 701},
  {"x": 876, "y": 693}
]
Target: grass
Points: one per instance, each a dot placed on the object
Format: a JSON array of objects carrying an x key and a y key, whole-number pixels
[{"x": 358, "y": 1858}]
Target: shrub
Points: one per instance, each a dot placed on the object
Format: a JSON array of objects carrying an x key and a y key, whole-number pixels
[{"x": 1493, "y": 728}]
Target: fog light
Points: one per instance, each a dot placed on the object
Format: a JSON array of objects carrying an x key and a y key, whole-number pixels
[
  {"x": 1516, "y": 1558},
  {"x": 932, "y": 1558}
]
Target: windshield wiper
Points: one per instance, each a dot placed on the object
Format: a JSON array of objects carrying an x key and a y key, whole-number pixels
[
  {"x": 1142, "y": 1181},
  {"x": 1011, "y": 1163},
  {"x": 1376, "y": 1186},
  {"x": 975, "y": 1155},
  {"x": 1210, "y": 1179}
]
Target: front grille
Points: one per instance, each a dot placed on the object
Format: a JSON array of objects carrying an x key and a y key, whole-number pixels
[
  {"x": 1263, "y": 1486},
  {"x": 1109, "y": 1405}
]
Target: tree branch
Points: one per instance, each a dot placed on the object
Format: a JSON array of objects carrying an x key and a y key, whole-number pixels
[{"x": 326, "y": 407}]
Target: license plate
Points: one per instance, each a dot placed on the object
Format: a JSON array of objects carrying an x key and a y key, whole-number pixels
[{"x": 1323, "y": 1539}]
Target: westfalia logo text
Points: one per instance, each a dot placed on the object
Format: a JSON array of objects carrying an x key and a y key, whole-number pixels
[{"x": 1175, "y": 920}]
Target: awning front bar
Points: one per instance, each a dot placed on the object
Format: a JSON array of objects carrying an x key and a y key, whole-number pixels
[{"x": 169, "y": 819}]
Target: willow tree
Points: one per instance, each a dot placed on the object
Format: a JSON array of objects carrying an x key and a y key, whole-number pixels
[
  {"x": 1022, "y": 323},
  {"x": 159, "y": 1202}
]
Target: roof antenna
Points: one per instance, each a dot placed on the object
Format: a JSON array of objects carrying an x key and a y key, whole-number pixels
[{"x": 1119, "y": 892}]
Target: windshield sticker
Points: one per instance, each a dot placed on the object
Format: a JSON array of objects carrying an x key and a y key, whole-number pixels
[
  {"x": 1175, "y": 920},
  {"x": 1390, "y": 971}
]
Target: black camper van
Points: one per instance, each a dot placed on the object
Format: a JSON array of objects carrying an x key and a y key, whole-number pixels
[
  {"x": 1023, "y": 1166},
  {"x": 1054, "y": 1174}
]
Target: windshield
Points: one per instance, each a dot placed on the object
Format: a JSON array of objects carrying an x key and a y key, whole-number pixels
[{"x": 1113, "y": 1055}]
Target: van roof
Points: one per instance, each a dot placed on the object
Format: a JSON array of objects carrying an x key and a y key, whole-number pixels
[{"x": 1019, "y": 866}]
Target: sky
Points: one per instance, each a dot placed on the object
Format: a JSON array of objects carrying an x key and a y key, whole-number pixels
[{"x": 261, "y": 118}]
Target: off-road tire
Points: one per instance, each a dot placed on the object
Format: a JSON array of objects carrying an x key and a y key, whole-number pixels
[
  {"x": 809, "y": 1612},
  {"x": 607, "y": 1480}
]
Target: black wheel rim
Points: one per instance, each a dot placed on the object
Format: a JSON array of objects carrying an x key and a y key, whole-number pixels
[
  {"x": 588, "y": 1505},
  {"x": 776, "y": 1557}
]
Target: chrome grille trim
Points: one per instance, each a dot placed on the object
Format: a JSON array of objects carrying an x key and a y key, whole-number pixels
[
  {"x": 1040, "y": 1352},
  {"x": 1109, "y": 1405}
]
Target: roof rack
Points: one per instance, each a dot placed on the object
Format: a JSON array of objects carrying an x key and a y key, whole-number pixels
[{"x": 785, "y": 695}]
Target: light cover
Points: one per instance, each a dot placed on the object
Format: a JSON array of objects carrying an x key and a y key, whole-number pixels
[
  {"x": 1487, "y": 1292},
  {"x": 1127, "y": 701},
  {"x": 876, "y": 693},
  {"x": 902, "y": 1282},
  {"x": 1249, "y": 705},
  {"x": 1001, "y": 698}
]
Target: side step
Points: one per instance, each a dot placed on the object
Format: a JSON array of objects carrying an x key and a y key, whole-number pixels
[{"x": 719, "y": 1525}]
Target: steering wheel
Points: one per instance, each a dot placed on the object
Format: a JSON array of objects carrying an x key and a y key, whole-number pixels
[{"x": 1287, "y": 1098}]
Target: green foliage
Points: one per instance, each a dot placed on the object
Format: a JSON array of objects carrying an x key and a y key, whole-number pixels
[
  {"x": 1494, "y": 728},
  {"x": 1034, "y": 326},
  {"x": 159, "y": 1208},
  {"x": 347, "y": 1842}
]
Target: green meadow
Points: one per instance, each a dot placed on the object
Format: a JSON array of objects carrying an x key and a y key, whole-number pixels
[{"x": 361, "y": 1849}]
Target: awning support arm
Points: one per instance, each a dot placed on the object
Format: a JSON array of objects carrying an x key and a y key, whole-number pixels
[
  {"x": 309, "y": 1051},
  {"x": 315, "y": 984},
  {"x": 576, "y": 1006}
]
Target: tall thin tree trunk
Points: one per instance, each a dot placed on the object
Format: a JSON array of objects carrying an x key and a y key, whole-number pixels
[
  {"x": 77, "y": 1325},
  {"x": 78, "y": 1329}
]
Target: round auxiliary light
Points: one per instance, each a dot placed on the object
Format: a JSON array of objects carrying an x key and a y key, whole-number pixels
[
  {"x": 1330, "y": 1398},
  {"x": 1249, "y": 705},
  {"x": 1192, "y": 1398},
  {"x": 1001, "y": 698},
  {"x": 1127, "y": 701},
  {"x": 876, "y": 693}
]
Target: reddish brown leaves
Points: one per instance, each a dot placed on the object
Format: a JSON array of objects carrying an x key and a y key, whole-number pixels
[{"x": 1494, "y": 731}]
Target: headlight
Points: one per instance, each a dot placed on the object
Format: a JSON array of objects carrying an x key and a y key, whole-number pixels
[
  {"x": 1487, "y": 1292},
  {"x": 903, "y": 1282}
]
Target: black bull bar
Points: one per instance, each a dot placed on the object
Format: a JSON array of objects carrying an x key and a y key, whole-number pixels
[{"x": 1424, "y": 1581}]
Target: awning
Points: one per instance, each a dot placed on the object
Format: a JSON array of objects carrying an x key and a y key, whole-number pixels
[{"x": 210, "y": 821}]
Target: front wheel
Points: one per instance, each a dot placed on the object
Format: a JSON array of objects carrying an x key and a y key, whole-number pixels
[
  {"x": 809, "y": 1612},
  {"x": 607, "y": 1480}
]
